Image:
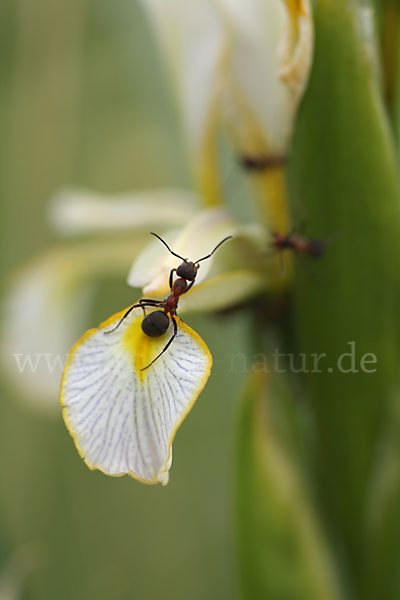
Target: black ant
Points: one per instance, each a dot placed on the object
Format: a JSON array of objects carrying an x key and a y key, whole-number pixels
[{"x": 156, "y": 323}]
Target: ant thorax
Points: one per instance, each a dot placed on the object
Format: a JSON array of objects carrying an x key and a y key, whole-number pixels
[{"x": 179, "y": 287}]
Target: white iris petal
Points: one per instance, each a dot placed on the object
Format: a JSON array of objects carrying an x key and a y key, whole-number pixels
[
  {"x": 192, "y": 42},
  {"x": 123, "y": 419},
  {"x": 152, "y": 267},
  {"x": 245, "y": 63},
  {"x": 82, "y": 211}
]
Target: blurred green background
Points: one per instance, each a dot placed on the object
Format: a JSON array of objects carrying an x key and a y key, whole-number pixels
[{"x": 83, "y": 100}]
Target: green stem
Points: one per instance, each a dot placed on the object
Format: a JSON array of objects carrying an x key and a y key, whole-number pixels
[{"x": 343, "y": 172}]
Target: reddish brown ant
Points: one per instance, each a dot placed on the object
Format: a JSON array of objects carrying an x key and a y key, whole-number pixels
[
  {"x": 284, "y": 241},
  {"x": 290, "y": 241},
  {"x": 156, "y": 323},
  {"x": 261, "y": 162}
]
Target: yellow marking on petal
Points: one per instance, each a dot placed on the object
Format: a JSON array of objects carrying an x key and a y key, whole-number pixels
[
  {"x": 207, "y": 169},
  {"x": 139, "y": 346},
  {"x": 143, "y": 348}
]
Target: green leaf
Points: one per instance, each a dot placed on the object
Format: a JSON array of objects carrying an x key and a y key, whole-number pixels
[
  {"x": 283, "y": 554},
  {"x": 344, "y": 181},
  {"x": 383, "y": 523}
]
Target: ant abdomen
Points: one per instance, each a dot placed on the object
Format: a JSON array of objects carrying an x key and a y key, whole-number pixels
[{"x": 155, "y": 324}]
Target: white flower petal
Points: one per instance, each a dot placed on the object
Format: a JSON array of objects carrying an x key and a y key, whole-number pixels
[
  {"x": 255, "y": 91},
  {"x": 223, "y": 291},
  {"x": 83, "y": 211},
  {"x": 153, "y": 261},
  {"x": 123, "y": 420},
  {"x": 151, "y": 269},
  {"x": 243, "y": 62},
  {"x": 266, "y": 70},
  {"x": 192, "y": 43}
]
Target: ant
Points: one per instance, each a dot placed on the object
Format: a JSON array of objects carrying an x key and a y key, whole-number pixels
[
  {"x": 290, "y": 241},
  {"x": 157, "y": 322},
  {"x": 283, "y": 241},
  {"x": 261, "y": 162}
]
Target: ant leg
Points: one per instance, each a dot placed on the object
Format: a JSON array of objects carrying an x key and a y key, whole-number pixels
[
  {"x": 139, "y": 305},
  {"x": 148, "y": 301},
  {"x": 167, "y": 345},
  {"x": 171, "y": 275},
  {"x": 189, "y": 286},
  {"x": 124, "y": 317}
]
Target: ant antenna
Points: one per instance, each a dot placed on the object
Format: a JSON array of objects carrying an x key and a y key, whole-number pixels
[
  {"x": 216, "y": 248},
  {"x": 166, "y": 245}
]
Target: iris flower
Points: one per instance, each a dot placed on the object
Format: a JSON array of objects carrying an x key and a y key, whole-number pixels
[{"x": 239, "y": 65}]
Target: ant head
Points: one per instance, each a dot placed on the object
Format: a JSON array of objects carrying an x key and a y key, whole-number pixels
[{"x": 187, "y": 270}]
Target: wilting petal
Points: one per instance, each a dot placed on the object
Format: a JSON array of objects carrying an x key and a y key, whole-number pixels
[
  {"x": 242, "y": 63},
  {"x": 151, "y": 269},
  {"x": 123, "y": 419},
  {"x": 298, "y": 47},
  {"x": 83, "y": 211},
  {"x": 46, "y": 307},
  {"x": 266, "y": 70}
]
